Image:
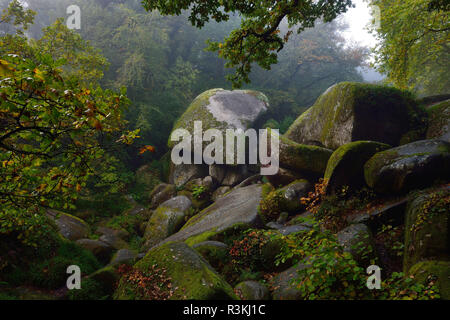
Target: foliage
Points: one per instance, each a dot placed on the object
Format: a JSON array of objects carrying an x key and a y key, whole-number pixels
[
  {"x": 258, "y": 40},
  {"x": 313, "y": 200},
  {"x": 90, "y": 290},
  {"x": 247, "y": 252},
  {"x": 198, "y": 191},
  {"x": 52, "y": 126},
  {"x": 331, "y": 273},
  {"x": 152, "y": 284},
  {"x": 437, "y": 203},
  {"x": 413, "y": 44}
]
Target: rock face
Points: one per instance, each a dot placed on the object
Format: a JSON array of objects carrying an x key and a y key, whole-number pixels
[
  {"x": 349, "y": 112},
  {"x": 191, "y": 276},
  {"x": 410, "y": 166},
  {"x": 252, "y": 290},
  {"x": 70, "y": 227},
  {"x": 283, "y": 288},
  {"x": 439, "y": 271},
  {"x": 346, "y": 165},
  {"x": 427, "y": 228},
  {"x": 296, "y": 190},
  {"x": 212, "y": 251},
  {"x": 357, "y": 240},
  {"x": 183, "y": 173},
  {"x": 222, "y": 109},
  {"x": 439, "y": 121},
  {"x": 240, "y": 206},
  {"x": 161, "y": 193},
  {"x": 303, "y": 158},
  {"x": 123, "y": 256},
  {"x": 167, "y": 219}
]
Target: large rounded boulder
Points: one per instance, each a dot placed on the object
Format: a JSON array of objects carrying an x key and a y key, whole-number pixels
[
  {"x": 185, "y": 273},
  {"x": 349, "y": 112},
  {"x": 415, "y": 165},
  {"x": 345, "y": 167},
  {"x": 167, "y": 219}
]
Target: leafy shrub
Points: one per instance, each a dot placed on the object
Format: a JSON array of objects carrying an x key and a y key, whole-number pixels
[
  {"x": 51, "y": 273},
  {"x": 331, "y": 273}
]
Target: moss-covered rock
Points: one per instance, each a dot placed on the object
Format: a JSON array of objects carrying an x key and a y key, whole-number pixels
[
  {"x": 358, "y": 241},
  {"x": 213, "y": 251},
  {"x": 183, "y": 173},
  {"x": 252, "y": 290},
  {"x": 349, "y": 112},
  {"x": 436, "y": 271},
  {"x": 415, "y": 165},
  {"x": 190, "y": 275},
  {"x": 310, "y": 160},
  {"x": 167, "y": 219},
  {"x": 161, "y": 193},
  {"x": 427, "y": 228},
  {"x": 69, "y": 226},
  {"x": 439, "y": 121},
  {"x": 222, "y": 109},
  {"x": 346, "y": 165},
  {"x": 286, "y": 199},
  {"x": 238, "y": 207}
]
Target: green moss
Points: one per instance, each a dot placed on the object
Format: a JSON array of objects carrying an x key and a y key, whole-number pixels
[
  {"x": 205, "y": 236},
  {"x": 191, "y": 276},
  {"x": 51, "y": 273},
  {"x": 302, "y": 157},
  {"x": 346, "y": 165},
  {"x": 427, "y": 228},
  {"x": 227, "y": 236},
  {"x": 436, "y": 271},
  {"x": 349, "y": 101},
  {"x": 375, "y": 163},
  {"x": 439, "y": 117},
  {"x": 90, "y": 290},
  {"x": 197, "y": 112}
]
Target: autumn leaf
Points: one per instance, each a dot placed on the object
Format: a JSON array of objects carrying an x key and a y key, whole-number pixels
[{"x": 146, "y": 148}]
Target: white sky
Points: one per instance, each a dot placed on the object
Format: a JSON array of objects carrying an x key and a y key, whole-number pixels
[{"x": 358, "y": 18}]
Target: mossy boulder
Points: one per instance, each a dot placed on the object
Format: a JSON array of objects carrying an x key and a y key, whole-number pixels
[
  {"x": 161, "y": 193},
  {"x": 436, "y": 271},
  {"x": 106, "y": 280},
  {"x": 223, "y": 109},
  {"x": 427, "y": 228},
  {"x": 183, "y": 173},
  {"x": 415, "y": 165},
  {"x": 252, "y": 290},
  {"x": 283, "y": 284},
  {"x": 349, "y": 112},
  {"x": 69, "y": 226},
  {"x": 167, "y": 219},
  {"x": 358, "y": 241},
  {"x": 346, "y": 165},
  {"x": 213, "y": 251},
  {"x": 123, "y": 256},
  {"x": 238, "y": 207},
  {"x": 190, "y": 275},
  {"x": 439, "y": 121},
  {"x": 309, "y": 160},
  {"x": 286, "y": 199}
]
